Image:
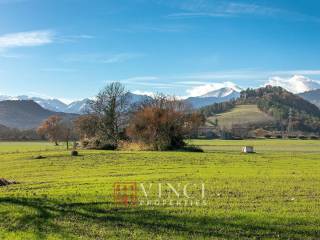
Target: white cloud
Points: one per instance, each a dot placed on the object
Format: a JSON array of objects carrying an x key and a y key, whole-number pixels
[
  {"x": 295, "y": 84},
  {"x": 204, "y": 89},
  {"x": 148, "y": 93},
  {"x": 26, "y": 39}
]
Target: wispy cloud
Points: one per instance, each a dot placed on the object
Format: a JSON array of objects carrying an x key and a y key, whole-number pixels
[
  {"x": 7, "y": 55},
  {"x": 206, "y": 8},
  {"x": 203, "y": 8},
  {"x": 164, "y": 28},
  {"x": 141, "y": 78},
  {"x": 73, "y": 38},
  {"x": 102, "y": 58},
  {"x": 26, "y": 39}
]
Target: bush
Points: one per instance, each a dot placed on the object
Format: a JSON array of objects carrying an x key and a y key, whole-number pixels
[
  {"x": 74, "y": 153},
  {"x": 107, "y": 146},
  {"x": 292, "y": 137},
  {"x": 279, "y": 136},
  {"x": 85, "y": 143},
  {"x": 314, "y": 137},
  {"x": 191, "y": 149},
  {"x": 133, "y": 146},
  {"x": 303, "y": 137},
  {"x": 267, "y": 136}
]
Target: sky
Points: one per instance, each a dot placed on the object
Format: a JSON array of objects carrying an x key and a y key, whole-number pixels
[{"x": 70, "y": 49}]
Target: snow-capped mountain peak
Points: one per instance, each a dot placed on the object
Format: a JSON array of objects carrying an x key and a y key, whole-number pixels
[
  {"x": 221, "y": 93},
  {"x": 56, "y": 105},
  {"x": 214, "y": 90}
]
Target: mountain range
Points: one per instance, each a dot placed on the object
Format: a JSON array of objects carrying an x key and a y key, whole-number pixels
[
  {"x": 312, "y": 96},
  {"x": 54, "y": 105},
  {"x": 76, "y": 107},
  {"x": 26, "y": 114}
]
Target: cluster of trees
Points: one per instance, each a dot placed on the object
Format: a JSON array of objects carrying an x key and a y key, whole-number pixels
[
  {"x": 56, "y": 129},
  {"x": 160, "y": 123},
  {"x": 13, "y": 134},
  {"x": 217, "y": 108},
  {"x": 163, "y": 123},
  {"x": 290, "y": 111}
]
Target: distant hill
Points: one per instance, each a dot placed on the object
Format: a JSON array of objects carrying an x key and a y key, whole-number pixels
[
  {"x": 242, "y": 115},
  {"x": 3, "y": 128},
  {"x": 25, "y": 114},
  {"x": 312, "y": 96},
  {"x": 286, "y": 109}
]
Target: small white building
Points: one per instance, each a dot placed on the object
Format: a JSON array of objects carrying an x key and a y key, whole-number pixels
[{"x": 248, "y": 149}]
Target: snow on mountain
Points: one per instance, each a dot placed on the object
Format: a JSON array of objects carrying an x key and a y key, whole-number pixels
[
  {"x": 50, "y": 104},
  {"x": 213, "y": 89},
  {"x": 295, "y": 84},
  {"x": 222, "y": 92},
  {"x": 78, "y": 106},
  {"x": 213, "y": 93}
]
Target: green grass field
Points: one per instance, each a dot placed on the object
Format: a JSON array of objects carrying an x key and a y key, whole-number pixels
[
  {"x": 273, "y": 194},
  {"x": 242, "y": 114}
]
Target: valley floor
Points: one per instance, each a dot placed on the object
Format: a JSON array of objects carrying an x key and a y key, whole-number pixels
[{"x": 273, "y": 194}]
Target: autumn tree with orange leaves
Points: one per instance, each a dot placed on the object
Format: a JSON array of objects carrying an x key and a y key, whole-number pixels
[{"x": 52, "y": 128}]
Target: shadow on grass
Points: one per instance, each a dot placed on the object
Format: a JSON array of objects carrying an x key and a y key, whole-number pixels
[{"x": 45, "y": 217}]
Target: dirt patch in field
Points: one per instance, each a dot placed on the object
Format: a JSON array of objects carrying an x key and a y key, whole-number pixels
[{"x": 5, "y": 182}]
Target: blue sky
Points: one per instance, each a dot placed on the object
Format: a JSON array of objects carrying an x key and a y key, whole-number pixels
[{"x": 70, "y": 49}]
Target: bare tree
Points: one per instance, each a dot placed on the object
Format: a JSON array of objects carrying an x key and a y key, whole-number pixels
[{"x": 111, "y": 106}]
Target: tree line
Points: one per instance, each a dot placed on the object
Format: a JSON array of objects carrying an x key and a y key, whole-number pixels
[{"x": 160, "y": 123}]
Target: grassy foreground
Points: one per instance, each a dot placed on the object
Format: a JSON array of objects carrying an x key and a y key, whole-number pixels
[{"x": 274, "y": 194}]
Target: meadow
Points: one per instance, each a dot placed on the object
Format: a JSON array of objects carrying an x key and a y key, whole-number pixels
[
  {"x": 241, "y": 114},
  {"x": 273, "y": 194}
]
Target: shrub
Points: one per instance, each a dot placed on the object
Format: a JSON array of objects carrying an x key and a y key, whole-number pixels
[
  {"x": 163, "y": 124},
  {"x": 292, "y": 137},
  {"x": 74, "y": 153},
  {"x": 133, "y": 146},
  {"x": 191, "y": 149},
  {"x": 314, "y": 137},
  {"x": 107, "y": 146},
  {"x": 303, "y": 137}
]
